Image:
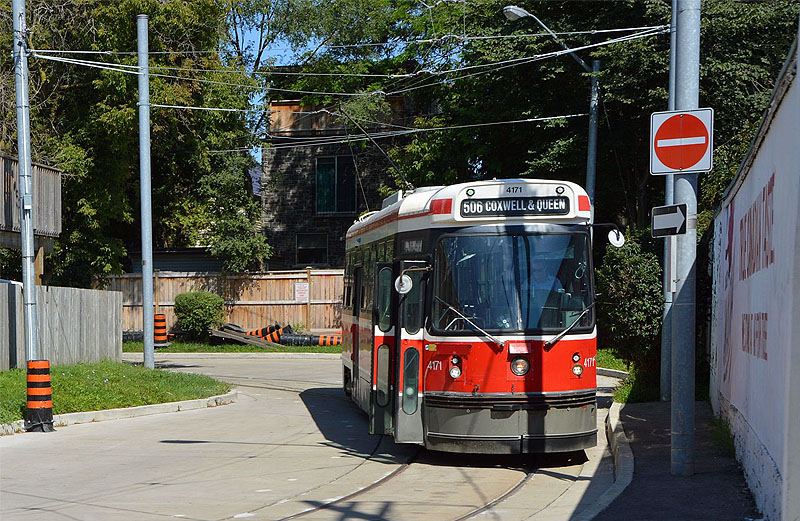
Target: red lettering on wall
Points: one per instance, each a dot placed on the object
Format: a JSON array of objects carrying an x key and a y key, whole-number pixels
[
  {"x": 754, "y": 334},
  {"x": 755, "y": 233}
]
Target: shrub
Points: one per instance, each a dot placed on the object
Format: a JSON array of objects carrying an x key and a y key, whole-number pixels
[
  {"x": 630, "y": 306},
  {"x": 198, "y": 312}
]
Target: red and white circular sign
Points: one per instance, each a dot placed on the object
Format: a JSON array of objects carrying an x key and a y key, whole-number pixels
[{"x": 681, "y": 142}]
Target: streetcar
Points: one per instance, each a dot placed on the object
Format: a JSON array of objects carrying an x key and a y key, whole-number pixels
[{"x": 468, "y": 318}]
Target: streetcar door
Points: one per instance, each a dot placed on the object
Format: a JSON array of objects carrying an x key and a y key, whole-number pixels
[
  {"x": 383, "y": 348},
  {"x": 357, "y": 290},
  {"x": 410, "y": 319}
]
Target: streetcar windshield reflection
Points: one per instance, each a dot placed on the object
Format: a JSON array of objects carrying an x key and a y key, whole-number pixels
[{"x": 512, "y": 283}]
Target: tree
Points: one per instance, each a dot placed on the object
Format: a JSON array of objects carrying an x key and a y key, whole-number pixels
[
  {"x": 84, "y": 121},
  {"x": 630, "y": 302}
]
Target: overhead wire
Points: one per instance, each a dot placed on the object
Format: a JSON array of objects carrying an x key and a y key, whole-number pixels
[
  {"x": 491, "y": 66},
  {"x": 327, "y": 140}
]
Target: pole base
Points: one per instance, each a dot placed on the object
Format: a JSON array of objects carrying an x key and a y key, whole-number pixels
[{"x": 39, "y": 420}]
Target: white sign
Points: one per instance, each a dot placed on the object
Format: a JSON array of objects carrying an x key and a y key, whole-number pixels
[
  {"x": 681, "y": 142},
  {"x": 301, "y": 292},
  {"x": 668, "y": 220}
]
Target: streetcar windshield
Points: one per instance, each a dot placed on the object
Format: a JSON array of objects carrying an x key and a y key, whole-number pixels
[{"x": 512, "y": 283}]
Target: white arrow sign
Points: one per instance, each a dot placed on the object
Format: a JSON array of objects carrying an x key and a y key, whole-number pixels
[{"x": 668, "y": 220}]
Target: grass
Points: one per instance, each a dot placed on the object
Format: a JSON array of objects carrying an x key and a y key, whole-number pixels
[
  {"x": 721, "y": 437},
  {"x": 606, "y": 359},
  {"x": 105, "y": 385},
  {"x": 201, "y": 347}
]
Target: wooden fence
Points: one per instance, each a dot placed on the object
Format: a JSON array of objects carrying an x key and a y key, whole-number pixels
[
  {"x": 310, "y": 297},
  {"x": 75, "y": 325}
]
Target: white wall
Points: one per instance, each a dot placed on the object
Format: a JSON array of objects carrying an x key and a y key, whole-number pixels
[{"x": 757, "y": 305}]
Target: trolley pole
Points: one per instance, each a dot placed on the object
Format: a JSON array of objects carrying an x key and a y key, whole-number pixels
[
  {"x": 20, "y": 53},
  {"x": 669, "y": 241},
  {"x": 687, "y": 92},
  {"x": 144, "y": 190}
]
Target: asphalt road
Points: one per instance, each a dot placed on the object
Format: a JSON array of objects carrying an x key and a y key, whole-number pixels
[{"x": 292, "y": 447}]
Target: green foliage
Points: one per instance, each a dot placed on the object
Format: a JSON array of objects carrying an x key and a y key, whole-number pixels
[
  {"x": 198, "y": 312},
  {"x": 722, "y": 438},
  {"x": 105, "y": 385},
  {"x": 10, "y": 264},
  {"x": 607, "y": 360},
  {"x": 84, "y": 121},
  {"x": 630, "y": 305},
  {"x": 638, "y": 387}
]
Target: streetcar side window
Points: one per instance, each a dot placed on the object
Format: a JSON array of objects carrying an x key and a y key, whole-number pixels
[
  {"x": 410, "y": 380},
  {"x": 385, "y": 299},
  {"x": 412, "y": 304}
]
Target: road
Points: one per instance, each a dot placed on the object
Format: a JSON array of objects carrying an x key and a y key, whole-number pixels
[{"x": 292, "y": 447}]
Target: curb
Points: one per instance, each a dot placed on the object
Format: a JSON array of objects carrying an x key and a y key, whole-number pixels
[
  {"x": 613, "y": 373},
  {"x": 623, "y": 464},
  {"x": 62, "y": 420},
  {"x": 136, "y": 357}
]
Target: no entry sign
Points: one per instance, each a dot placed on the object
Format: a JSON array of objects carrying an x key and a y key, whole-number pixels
[{"x": 681, "y": 142}]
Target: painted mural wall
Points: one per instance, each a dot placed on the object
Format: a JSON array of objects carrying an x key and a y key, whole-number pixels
[{"x": 755, "y": 302}]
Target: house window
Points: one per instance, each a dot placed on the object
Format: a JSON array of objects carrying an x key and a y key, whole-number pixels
[
  {"x": 312, "y": 248},
  {"x": 336, "y": 185}
]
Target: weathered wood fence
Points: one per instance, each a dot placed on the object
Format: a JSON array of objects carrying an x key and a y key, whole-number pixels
[
  {"x": 75, "y": 325},
  {"x": 311, "y": 297}
]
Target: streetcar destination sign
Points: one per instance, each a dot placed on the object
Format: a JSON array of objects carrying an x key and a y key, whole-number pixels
[{"x": 515, "y": 206}]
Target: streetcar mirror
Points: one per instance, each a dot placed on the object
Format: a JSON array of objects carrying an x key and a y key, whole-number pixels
[
  {"x": 403, "y": 284},
  {"x": 616, "y": 238}
]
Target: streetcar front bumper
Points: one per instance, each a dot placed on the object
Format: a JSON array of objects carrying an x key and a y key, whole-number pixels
[{"x": 510, "y": 423}]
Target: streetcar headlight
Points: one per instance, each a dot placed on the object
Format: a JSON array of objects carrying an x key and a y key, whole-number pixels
[
  {"x": 455, "y": 360},
  {"x": 576, "y": 357},
  {"x": 455, "y": 372},
  {"x": 577, "y": 370},
  {"x": 520, "y": 366}
]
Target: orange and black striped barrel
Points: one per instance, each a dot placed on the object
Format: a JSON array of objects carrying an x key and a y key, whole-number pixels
[
  {"x": 39, "y": 411},
  {"x": 274, "y": 336},
  {"x": 160, "y": 330},
  {"x": 263, "y": 332},
  {"x": 329, "y": 340}
]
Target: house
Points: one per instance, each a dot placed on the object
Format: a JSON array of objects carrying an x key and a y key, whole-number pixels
[
  {"x": 46, "y": 209},
  {"x": 319, "y": 175}
]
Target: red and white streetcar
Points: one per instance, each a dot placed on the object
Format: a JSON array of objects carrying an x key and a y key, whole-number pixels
[{"x": 468, "y": 318}]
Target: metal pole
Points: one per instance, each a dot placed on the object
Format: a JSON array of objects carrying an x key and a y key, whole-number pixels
[
  {"x": 669, "y": 242},
  {"x": 144, "y": 191},
  {"x": 591, "y": 154},
  {"x": 25, "y": 182},
  {"x": 683, "y": 307}
]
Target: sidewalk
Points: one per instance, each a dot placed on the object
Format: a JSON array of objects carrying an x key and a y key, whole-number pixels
[{"x": 717, "y": 491}]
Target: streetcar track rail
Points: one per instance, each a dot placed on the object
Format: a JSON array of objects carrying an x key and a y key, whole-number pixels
[{"x": 529, "y": 474}]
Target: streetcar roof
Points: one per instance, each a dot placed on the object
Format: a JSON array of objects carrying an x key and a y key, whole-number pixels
[{"x": 476, "y": 202}]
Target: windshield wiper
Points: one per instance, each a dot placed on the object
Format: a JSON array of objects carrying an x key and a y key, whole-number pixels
[
  {"x": 473, "y": 324},
  {"x": 550, "y": 343}
]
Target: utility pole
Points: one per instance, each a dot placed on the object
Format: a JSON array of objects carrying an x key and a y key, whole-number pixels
[
  {"x": 687, "y": 79},
  {"x": 39, "y": 405},
  {"x": 144, "y": 190},
  {"x": 669, "y": 241},
  {"x": 25, "y": 182},
  {"x": 591, "y": 154}
]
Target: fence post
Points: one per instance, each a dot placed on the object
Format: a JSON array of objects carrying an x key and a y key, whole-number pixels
[{"x": 308, "y": 303}]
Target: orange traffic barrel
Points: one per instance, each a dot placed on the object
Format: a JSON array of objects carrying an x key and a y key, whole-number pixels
[
  {"x": 160, "y": 330},
  {"x": 329, "y": 340},
  {"x": 274, "y": 336},
  {"x": 39, "y": 408},
  {"x": 264, "y": 331}
]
